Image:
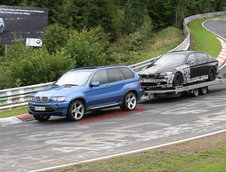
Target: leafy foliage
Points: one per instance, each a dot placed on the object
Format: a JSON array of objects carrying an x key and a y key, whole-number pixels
[
  {"x": 92, "y": 32},
  {"x": 26, "y": 66},
  {"x": 88, "y": 48},
  {"x": 55, "y": 37},
  {"x": 39, "y": 67},
  {"x": 119, "y": 17}
]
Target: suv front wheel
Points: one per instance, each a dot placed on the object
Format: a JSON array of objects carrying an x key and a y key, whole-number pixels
[{"x": 76, "y": 110}]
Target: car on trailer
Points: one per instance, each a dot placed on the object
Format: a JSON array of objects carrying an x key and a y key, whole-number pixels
[{"x": 179, "y": 68}]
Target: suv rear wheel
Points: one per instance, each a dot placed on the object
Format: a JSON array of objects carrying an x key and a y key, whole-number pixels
[{"x": 129, "y": 101}]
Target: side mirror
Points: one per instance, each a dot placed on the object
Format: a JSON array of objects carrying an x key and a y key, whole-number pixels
[
  {"x": 191, "y": 62},
  {"x": 95, "y": 84}
]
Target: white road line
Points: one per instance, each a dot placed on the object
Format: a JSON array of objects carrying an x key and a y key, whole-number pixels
[
  {"x": 219, "y": 37},
  {"x": 212, "y": 31},
  {"x": 129, "y": 152}
]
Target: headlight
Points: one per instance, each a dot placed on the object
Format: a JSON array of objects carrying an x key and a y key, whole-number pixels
[
  {"x": 58, "y": 99},
  {"x": 162, "y": 75},
  {"x": 31, "y": 98}
]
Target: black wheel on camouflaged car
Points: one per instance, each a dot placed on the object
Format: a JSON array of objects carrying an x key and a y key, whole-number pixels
[
  {"x": 212, "y": 74},
  {"x": 178, "y": 80}
]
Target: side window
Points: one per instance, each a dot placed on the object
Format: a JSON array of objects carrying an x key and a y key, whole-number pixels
[
  {"x": 202, "y": 58},
  {"x": 205, "y": 58},
  {"x": 114, "y": 75},
  {"x": 100, "y": 76},
  {"x": 191, "y": 58},
  {"x": 126, "y": 73}
]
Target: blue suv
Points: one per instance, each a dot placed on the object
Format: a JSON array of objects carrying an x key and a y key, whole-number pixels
[{"x": 83, "y": 89}]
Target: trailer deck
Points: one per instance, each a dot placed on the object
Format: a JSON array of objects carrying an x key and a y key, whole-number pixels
[{"x": 192, "y": 89}]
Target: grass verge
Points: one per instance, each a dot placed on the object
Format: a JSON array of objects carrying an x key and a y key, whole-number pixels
[
  {"x": 161, "y": 43},
  {"x": 157, "y": 44},
  {"x": 13, "y": 112},
  {"x": 204, "y": 40},
  {"x": 203, "y": 155}
]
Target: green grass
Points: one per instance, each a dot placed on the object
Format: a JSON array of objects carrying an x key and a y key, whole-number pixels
[
  {"x": 204, "y": 40},
  {"x": 157, "y": 44},
  {"x": 162, "y": 42},
  {"x": 160, "y": 161},
  {"x": 14, "y": 112}
]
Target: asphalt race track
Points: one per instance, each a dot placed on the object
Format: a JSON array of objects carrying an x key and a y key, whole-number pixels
[
  {"x": 217, "y": 25},
  {"x": 34, "y": 145}
]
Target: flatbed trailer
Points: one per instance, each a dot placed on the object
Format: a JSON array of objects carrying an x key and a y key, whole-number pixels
[{"x": 193, "y": 89}]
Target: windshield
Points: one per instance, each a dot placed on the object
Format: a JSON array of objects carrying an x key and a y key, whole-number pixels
[
  {"x": 74, "y": 78},
  {"x": 171, "y": 59}
]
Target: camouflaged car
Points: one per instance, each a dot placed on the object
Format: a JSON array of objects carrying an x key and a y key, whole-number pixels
[{"x": 179, "y": 68}]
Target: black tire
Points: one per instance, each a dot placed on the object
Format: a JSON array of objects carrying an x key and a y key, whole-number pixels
[
  {"x": 178, "y": 80},
  {"x": 195, "y": 92},
  {"x": 42, "y": 118},
  {"x": 203, "y": 90},
  {"x": 76, "y": 110},
  {"x": 129, "y": 101},
  {"x": 212, "y": 74}
]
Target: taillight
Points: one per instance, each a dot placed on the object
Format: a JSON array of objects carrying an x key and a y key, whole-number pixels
[{"x": 139, "y": 84}]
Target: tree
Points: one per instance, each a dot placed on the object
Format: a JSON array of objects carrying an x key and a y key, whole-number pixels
[
  {"x": 88, "y": 48},
  {"x": 55, "y": 37}
]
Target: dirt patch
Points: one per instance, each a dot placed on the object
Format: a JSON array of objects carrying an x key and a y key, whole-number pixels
[{"x": 192, "y": 43}]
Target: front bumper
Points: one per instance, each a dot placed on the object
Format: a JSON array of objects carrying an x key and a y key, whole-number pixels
[
  {"x": 51, "y": 108},
  {"x": 157, "y": 83}
]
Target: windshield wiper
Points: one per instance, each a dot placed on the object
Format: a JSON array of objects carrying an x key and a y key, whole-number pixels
[
  {"x": 69, "y": 85},
  {"x": 55, "y": 85}
]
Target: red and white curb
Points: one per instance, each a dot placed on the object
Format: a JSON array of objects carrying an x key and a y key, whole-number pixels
[
  {"x": 222, "y": 56},
  {"x": 15, "y": 119}
]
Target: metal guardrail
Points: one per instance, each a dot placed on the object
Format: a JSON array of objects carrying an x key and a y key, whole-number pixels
[{"x": 16, "y": 97}]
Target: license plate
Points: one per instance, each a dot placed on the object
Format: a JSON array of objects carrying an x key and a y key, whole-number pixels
[
  {"x": 40, "y": 108},
  {"x": 148, "y": 80}
]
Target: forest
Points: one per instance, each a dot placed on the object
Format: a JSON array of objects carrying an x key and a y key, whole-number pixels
[{"x": 93, "y": 32}]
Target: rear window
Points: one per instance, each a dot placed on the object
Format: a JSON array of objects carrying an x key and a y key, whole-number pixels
[
  {"x": 114, "y": 75},
  {"x": 127, "y": 74}
]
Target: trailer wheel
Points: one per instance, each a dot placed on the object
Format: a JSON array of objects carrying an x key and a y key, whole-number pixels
[
  {"x": 203, "y": 90},
  {"x": 195, "y": 92}
]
